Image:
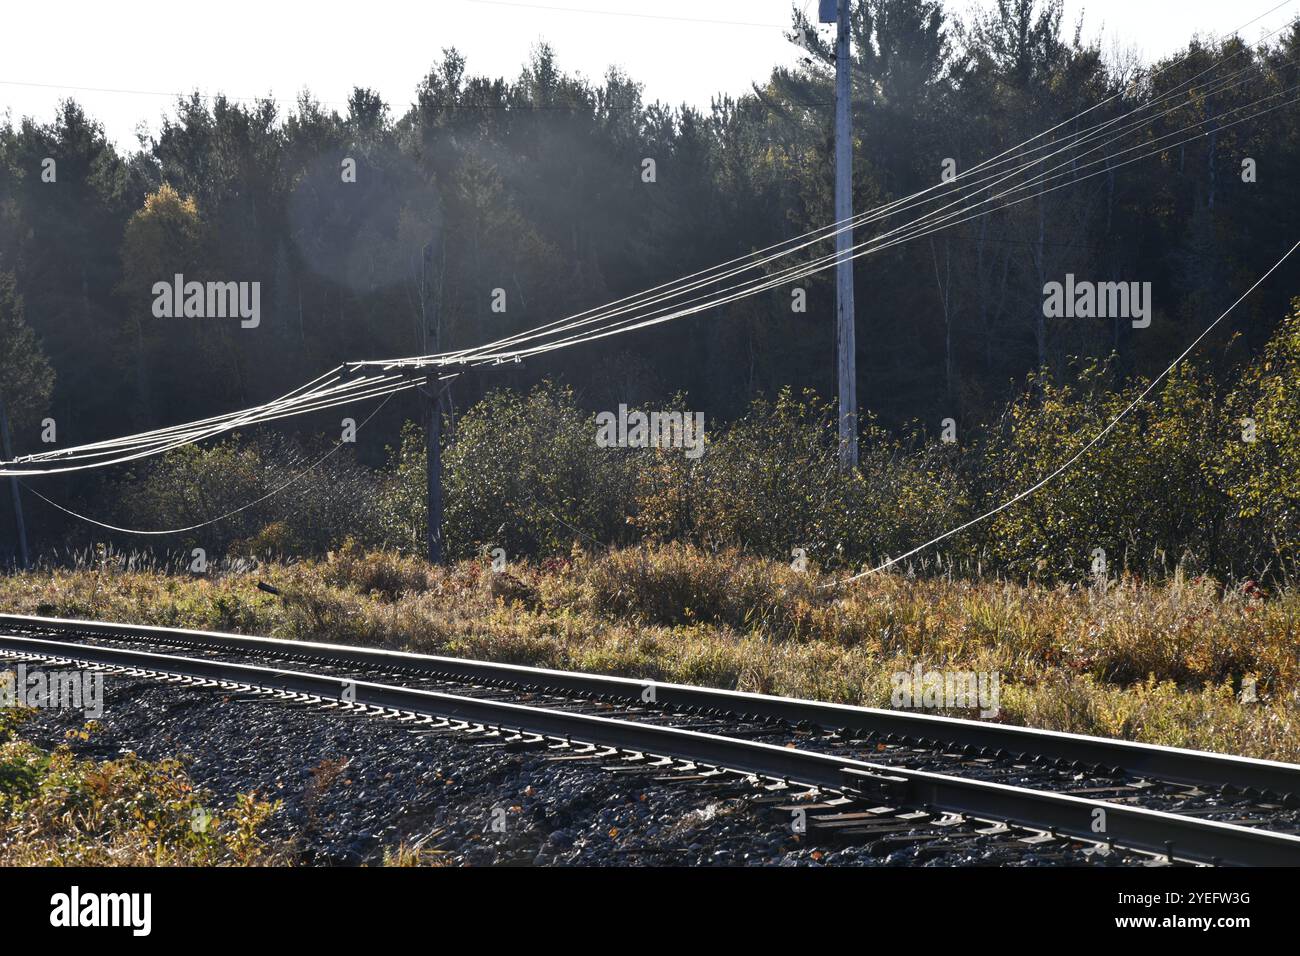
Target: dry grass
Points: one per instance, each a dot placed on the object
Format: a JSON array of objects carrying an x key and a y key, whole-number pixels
[
  {"x": 58, "y": 810},
  {"x": 1156, "y": 662}
]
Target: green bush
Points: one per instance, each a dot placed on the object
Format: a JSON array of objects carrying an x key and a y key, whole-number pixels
[
  {"x": 771, "y": 484},
  {"x": 523, "y": 473},
  {"x": 285, "y": 500},
  {"x": 1141, "y": 494},
  {"x": 1261, "y": 479},
  {"x": 1174, "y": 484}
]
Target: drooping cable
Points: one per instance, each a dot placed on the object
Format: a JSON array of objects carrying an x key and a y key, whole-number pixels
[
  {"x": 324, "y": 396},
  {"x": 1069, "y": 462},
  {"x": 222, "y": 517}
]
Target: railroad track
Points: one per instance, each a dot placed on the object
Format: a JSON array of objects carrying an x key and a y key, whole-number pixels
[{"x": 847, "y": 772}]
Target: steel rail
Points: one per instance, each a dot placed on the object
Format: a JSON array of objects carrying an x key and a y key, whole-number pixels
[
  {"x": 1172, "y": 764},
  {"x": 1191, "y": 839}
]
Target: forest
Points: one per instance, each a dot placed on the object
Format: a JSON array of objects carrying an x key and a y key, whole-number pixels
[{"x": 499, "y": 204}]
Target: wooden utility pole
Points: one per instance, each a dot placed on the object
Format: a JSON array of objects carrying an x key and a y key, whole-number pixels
[
  {"x": 433, "y": 469},
  {"x": 837, "y": 12},
  {"x": 433, "y": 418},
  {"x": 19, "y": 525}
]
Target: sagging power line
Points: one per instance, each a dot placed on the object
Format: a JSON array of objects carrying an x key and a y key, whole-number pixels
[{"x": 350, "y": 383}]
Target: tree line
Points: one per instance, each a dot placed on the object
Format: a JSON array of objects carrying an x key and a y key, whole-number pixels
[{"x": 530, "y": 192}]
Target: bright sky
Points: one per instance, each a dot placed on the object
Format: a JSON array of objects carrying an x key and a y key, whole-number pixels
[{"x": 682, "y": 50}]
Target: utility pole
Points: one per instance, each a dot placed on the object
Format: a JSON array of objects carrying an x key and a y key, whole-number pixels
[
  {"x": 433, "y": 418},
  {"x": 19, "y": 525},
  {"x": 837, "y": 12},
  {"x": 433, "y": 469}
]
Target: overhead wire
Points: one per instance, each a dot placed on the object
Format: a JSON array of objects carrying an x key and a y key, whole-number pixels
[
  {"x": 332, "y": 393},
  {"x": 222, "y": 517},
  {"x": 1069, "y": 462},
  {"x": 309, "y": 403},
  {"x": 827, "y": 232},
  {"x": 918, "y": 229},
  {"x": 306, "y": 399},
  {"x": 594, "y": 316}
]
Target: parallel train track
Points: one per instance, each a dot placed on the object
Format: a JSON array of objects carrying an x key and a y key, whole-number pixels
[{"x": 853, "y": 772}]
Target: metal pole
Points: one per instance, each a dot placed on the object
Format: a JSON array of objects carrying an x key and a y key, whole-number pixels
[
  {"x": 19, "y": 524},
  {"x": 846, "y": 345}
]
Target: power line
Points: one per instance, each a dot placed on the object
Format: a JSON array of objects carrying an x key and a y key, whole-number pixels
[
  {"x": 752, "y": 261},
  {"x": 332, "y": 393},
  {"x": 918, "y": 228},
  {"x": 221, "y": 517},
  {"x": 628, "y": 13},
  {"x": 183, "y": 95},
  {"x": 1082, "y": 451},
  {"x": 333, "y": 104},
  {"x": 915, "y": 229},
  {"x": 315, "y": 401},
  {"x": 329, "y": 395}
]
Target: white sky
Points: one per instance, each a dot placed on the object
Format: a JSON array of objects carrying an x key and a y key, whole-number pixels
[{"x": 248, "y": 49}]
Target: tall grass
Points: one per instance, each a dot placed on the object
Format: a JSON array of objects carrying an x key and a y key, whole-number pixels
[{"x": 1164, "y": 662}]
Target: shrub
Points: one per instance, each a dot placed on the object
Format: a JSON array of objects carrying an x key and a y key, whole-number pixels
[
  {"x": 524, "y": 472},
  {"x": 678, "y": 584},
  {"x": 1261, "y": 479},
  {"x": 57, "y": 809},
  {"x": 1172, "y": 485},
  {"x": 1140, "y": 495},
  {"x": 385, "y": 573},
  {"x": 285, "y": 500},
  {"x": 771, "y": 483}
]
